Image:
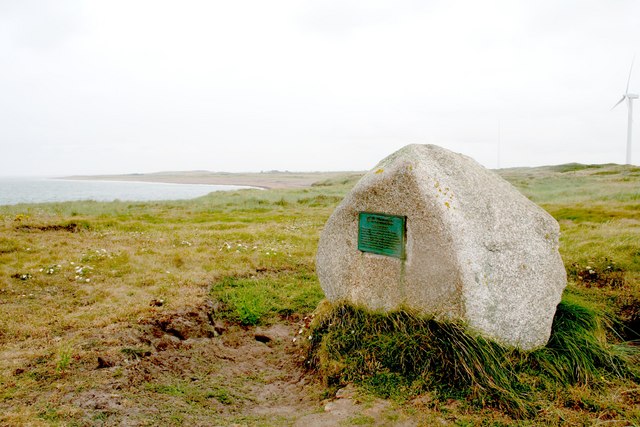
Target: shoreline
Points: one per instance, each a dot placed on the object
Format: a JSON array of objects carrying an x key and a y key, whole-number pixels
[
  {"x": 263, "y": 180},
  {"x": 140, "y": 181}
]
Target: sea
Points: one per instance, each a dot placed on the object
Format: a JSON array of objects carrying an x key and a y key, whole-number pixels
[{"x": 44, "y": 190}]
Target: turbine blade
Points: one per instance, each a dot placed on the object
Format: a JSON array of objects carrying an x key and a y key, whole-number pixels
[
  {"x": 630, "y": 70},
  {"x": 618, "y": 103}
]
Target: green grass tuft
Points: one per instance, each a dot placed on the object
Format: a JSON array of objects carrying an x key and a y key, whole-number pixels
[
  {"x": 266, "y": 297},
  {"x": 578, "y": 351},
  {"x": 249, "y": 306},
  {"x": 402, "y": 355}
]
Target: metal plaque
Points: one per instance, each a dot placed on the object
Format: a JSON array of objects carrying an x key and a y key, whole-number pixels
[{"x": 381, "y": 234}]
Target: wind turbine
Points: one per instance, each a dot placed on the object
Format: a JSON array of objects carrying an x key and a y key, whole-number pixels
[{"x": 629, "y": 97}]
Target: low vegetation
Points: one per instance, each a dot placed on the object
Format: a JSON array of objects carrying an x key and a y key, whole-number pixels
[
  {"x": 192, "y": 313},
  {"x": 405, "y": 356}
]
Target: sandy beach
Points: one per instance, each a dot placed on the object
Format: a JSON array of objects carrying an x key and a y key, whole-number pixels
[{"x": 268, "y": 180}]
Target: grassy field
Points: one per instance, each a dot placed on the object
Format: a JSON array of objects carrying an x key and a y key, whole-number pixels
[{"x": 197, "y": 312}]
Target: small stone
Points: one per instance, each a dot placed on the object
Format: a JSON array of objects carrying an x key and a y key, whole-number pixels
[
  {"x": 346, "y": 392},
  {"x": 330, "y": 406}
]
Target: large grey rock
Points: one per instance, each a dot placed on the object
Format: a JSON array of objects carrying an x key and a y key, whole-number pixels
[{"x": 477, "y": 250}]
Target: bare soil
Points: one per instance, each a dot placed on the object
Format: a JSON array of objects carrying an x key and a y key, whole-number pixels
[{"x": 207, "y": 372}]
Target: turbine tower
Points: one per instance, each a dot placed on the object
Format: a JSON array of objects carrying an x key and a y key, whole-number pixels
[{"x": 629, "y": 97}]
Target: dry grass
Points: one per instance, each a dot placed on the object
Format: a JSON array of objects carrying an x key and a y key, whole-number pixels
[
  {"x": 148, "y": 262},
  {"x": 76, "y": 278}
]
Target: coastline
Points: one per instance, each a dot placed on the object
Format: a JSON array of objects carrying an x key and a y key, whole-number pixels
[{"x": 264, "y": 180}]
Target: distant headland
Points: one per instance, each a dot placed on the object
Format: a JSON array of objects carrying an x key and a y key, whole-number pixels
[{"x": 270, "y": 179}]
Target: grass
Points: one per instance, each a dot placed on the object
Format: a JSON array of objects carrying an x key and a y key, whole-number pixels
[
  {"x": 64, "y": 359},
  {"x": 264, "y": 298},
  {"x": 78, "y": 280},
  {"x": 403, "y": 355},
  {"x": 86, "y": 272}
]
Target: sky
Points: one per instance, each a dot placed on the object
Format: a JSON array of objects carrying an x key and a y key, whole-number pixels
[{"x": 133, "y": 86}]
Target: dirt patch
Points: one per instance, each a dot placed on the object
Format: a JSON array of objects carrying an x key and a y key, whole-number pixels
[
  {"x": 97, "y": 400},
  {"x": 348, "y": 409},
  {"x": 629, "y": 314},
  {"x": 600, "y": 274},
  {"x": 71, "y": 227},
  {"x": 189, "y": 366},
  {"x": 195, "y": 322},
  {"x": 229, "y": 370}
]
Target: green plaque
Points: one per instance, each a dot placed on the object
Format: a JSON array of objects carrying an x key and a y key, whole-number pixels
[{"x": 381, "y": 234}]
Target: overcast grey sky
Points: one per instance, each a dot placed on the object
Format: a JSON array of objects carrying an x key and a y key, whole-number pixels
[{"x": 89, "y": 87}]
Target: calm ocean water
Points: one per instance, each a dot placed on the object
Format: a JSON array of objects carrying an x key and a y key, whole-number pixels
[{"x": 41, "y": 190}]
